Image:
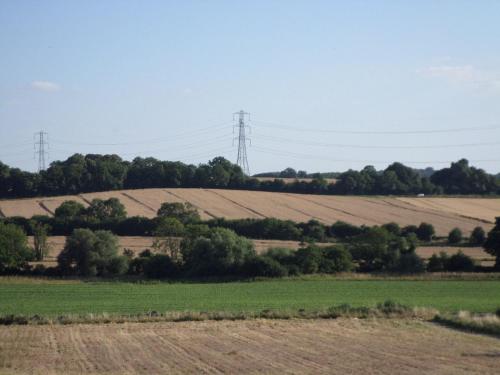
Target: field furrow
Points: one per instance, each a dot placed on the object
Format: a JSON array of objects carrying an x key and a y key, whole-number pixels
[{"x": 247, "y": 347}]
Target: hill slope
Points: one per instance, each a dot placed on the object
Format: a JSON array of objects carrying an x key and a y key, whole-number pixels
[{"x": 443, "y": 213}]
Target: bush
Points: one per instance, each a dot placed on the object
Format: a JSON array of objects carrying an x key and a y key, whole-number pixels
[
  {"x": 438, "y": 263},
  {"x": 222, "y": 252},
  {"x": 336, "y": 259},
  {"x": 184, "y": 212},
  {"x": 425, "y": 232},
  {"x": 160, "y": 266},
  {"x": 344, "y": 230},
  {"x": 263, "y": 266},
  {"x": 477, "y": 237},
  {"x": 315, "y": 259},
  {"x": 393, "y": 228},
  {"x": 409, "y": 229},
  {"x": 460, "y": 262},
  {"x": 410, "y": 263},
  {"x": 455, "y": 236},
  {"x": 88, "y": 253}
]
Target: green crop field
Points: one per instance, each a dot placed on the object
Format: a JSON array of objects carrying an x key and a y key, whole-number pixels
[{"x": 69, "y": 297}]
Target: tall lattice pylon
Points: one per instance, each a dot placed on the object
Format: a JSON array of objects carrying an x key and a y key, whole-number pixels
[
  {"x": 41, "y": 149},
  {"x": 242, "y": 159}
]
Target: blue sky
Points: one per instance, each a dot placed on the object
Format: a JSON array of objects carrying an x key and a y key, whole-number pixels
[{"x": 162, "y": 78}]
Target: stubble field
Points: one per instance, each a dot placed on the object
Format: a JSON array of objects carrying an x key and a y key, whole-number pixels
[
  {"x": 338, "y": 346},
  {"x": 443, "y": 213}
]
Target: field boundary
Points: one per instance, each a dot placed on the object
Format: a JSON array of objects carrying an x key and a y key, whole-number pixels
[
  {"x": 236, "y": 203},
  {"x": 385, "y": 310},
  {"x": 138, "y": 201},
  {"x": 45, "y": 208},
  {"x": 197, "y": 207}
]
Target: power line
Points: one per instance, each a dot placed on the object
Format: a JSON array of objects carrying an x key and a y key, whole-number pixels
[
  {"x": 171, "y": 138},
  {"x": 385, "y": 132},
  {"x": 340, "y": 145},
  {"x": 315, "y": 157},
  {"x": 242, "y": 160}
]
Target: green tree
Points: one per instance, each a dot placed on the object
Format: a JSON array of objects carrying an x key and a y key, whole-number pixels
[
  {"x": 108, "y": 209},
  {"x": 14, "y": 250},
  {"x": 40, "y": 239},
  {"x": 222, "y": 252},
  {"x": 70, "y": 210},
  {"x": 167, "y": 234},
  {"x": 477, "y": 237},
  {"x": 186, "y": 213},
  {"x": 455, "y": 236},
  {"x": 88, "y": 253},
  {"x": 492, "y": 243},
  {"x": 425, "y": 232}
]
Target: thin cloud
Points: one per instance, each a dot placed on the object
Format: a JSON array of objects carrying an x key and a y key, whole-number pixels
[
  {"x": 463, "y": 74},
  {"x": 46, "y": 86}
]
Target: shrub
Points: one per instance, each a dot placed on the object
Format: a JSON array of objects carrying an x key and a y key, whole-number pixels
[
  {"x": 477, "y": 237},
  {"x": 410, "y": 263},
  {"x": 393, "y": 228},
  {"x": 438, "y": 263},
  {"x": 263, "y": 266},
  {"x": 344, "y": 230},
  {"x": 313, "y": 259},
  {"x": 88, "y": 253},
  {"x": 160, "y": 266},
  {"x": 460, "y": 262},
  {"x": 455, "y": 236},
  {"x": 425, "y": 232},
  {"x": 409, "y": 229},
  {"x": 336, "y": 259}
]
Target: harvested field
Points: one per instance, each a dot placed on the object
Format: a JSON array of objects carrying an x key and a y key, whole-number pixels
[
  {"x": 261, "y": 346},
  {"x": 443, "y": 213}
]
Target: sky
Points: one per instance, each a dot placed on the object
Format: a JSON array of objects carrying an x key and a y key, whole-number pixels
[{"x": 329, "y": 85}]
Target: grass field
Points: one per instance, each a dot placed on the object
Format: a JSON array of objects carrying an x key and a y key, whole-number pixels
[
  {"x": 50, "y": 298},
  {"x": 443, "y": 213}
]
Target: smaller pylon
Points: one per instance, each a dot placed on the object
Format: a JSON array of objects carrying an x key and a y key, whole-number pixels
[
  {"x": 41, "y": 146},
  {"x": 242, "y": 159}
]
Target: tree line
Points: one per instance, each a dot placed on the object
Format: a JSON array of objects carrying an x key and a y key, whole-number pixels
[
  {"x": 93, "y": 173},
  {"x": 187, "y": 247}
]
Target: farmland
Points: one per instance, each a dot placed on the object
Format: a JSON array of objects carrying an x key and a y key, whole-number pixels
[
  {"x": 443, "y": 213},
  {"x": 138, "y": 244},
  {"x": 51, "y": 298},
  {"x": 298, "y": 346}
]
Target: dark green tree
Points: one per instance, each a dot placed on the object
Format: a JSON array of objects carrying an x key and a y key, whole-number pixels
[
  {"x": 492, "y": 243},
  {"x": 186, "y": 213},
  {"x": 88, "y": 253},
  {"x": 477, "y": 237},
  {"x": 14, "y": 250},
  {"x": 455, "y": 236}
]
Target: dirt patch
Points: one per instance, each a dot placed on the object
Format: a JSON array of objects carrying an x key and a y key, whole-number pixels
[{"x": 321, "y": 347}]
